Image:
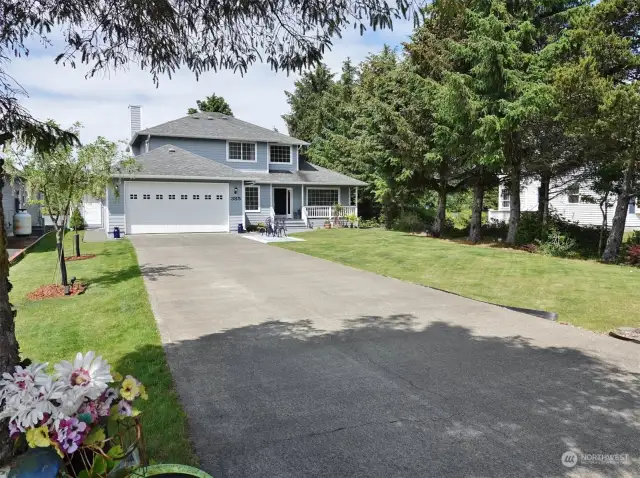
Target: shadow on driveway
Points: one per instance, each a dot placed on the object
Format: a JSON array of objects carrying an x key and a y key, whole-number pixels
[{"x": 383, "y": 397}]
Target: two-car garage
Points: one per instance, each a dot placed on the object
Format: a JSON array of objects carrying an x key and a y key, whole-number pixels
[{"x": 170, "y": 207}]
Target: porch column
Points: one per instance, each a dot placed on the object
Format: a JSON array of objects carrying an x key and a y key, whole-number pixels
[
  {"x": 356, "y": 201},
  {"x": 244, "y": 214}
]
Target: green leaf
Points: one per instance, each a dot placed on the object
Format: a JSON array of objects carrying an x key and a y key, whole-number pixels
[
  {"x": 115, "y": 452},
  {"x": 83, "y": 474},
  {"x": 96, "y": 436},
  {"x": 99, "y": 466}
]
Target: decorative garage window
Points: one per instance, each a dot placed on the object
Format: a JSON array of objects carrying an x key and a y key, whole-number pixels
[
  {"x": 158, "y": 196},
  {"x": 322, "y": 197},
  {"x": 196, "y": 196},
  {"x": 133, "y": 196},
  {"x": 241, "y": 151},
  {"x": 252, "y": 198},
  {"x": 183, "y": 196},
  {"x": 279, "y": 154},
  {"x": 172, "y": 196},
  {"x": 219, "y": 197},
  {"x": 146, "y": 196},
  {"x": 207, "y": 196}
]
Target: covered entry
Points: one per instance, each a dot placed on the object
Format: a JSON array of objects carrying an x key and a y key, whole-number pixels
[{"x": 169, "y": 207}]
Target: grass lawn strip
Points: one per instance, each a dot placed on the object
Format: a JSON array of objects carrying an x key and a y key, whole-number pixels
[
  {"x": 586, "y": 294},
  {"x": 112, "y": 317}
]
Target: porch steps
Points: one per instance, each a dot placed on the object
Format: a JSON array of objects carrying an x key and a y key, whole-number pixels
[{"x": 295, "y": 225}]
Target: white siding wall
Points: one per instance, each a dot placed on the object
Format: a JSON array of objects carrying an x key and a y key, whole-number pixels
[{"x": 582, "y": 213}]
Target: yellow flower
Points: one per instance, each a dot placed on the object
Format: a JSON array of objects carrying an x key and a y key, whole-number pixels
[
  {"x": 129, "y": 390},
  {"x": 38, "y": 437},
  {"x": 116, "y": 376},
  {"x": 143, "y": 392}
]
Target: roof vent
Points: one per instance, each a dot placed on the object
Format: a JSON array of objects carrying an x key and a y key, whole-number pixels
[
  {"x": 209, "y": 117},
  {"x": 195, "y": 116},
  {"x": 224, "y": 117},
  {"x": 172, "y": 150}
]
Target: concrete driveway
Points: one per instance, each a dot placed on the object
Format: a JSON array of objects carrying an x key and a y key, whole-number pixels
[{"x": 288, "y": 365}]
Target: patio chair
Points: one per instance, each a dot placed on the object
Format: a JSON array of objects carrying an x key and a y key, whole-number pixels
[{"x": 281, "y": 227}]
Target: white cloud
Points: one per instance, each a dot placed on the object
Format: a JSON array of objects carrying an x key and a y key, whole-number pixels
[{"x": 100, "y": 103}]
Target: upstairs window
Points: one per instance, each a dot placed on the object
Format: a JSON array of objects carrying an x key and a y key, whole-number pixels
[
  {"x": 279, "y": 154},
  {"x": 632, "y": 206},
  {"x": 573, "y": 194},
  {"x": 241, "y": 151}
]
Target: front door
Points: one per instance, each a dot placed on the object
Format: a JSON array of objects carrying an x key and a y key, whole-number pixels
[{"x": 282, "y": 201}]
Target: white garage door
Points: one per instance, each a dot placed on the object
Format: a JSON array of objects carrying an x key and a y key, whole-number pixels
[{"x": 154, "y": 207}]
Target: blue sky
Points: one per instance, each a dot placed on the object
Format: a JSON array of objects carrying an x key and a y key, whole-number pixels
[{"x": 100, "y": 103}]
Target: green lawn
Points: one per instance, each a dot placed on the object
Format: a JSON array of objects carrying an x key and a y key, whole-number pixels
[
  {"x": 585, "y": 293},
  {"x": 112, "y": 317}
]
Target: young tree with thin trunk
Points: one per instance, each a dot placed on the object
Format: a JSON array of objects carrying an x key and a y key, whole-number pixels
[{"x": 63, "y": 176}]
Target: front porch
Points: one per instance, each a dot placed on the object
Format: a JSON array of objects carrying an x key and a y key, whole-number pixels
[{"x": 301, "y": 206}]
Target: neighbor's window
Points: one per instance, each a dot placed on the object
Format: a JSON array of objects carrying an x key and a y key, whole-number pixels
[
  {"x": 352, "y": 197},
  {"x": 505, "y": 198},
  {"x": 242, "y": 151},
  {"x": 322, "y": 197},
  {"x": 251, "y": 198},
  {"x": 279, "y": 154},
  {"x": 573, "y": 194},
  {"x": 632, "y": 206}
]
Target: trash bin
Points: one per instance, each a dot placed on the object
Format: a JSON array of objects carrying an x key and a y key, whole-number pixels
[
  {"x": 240, "y": 228},
  {"x": 116, "y": 233}
]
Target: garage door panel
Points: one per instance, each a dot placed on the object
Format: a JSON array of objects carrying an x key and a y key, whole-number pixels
[{"x": 176, "y": 207}]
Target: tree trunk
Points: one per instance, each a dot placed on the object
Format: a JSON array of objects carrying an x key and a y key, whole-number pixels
[
  {"x": 9, "y": 352},
  {"x": 475, "y": 226},
  {"x": 60, "y": 247},
  {"x": 543, "y": 197},
  {"x": 438, "y": 224},
  {"x": 620, "y": 216},
  {"x": 514, "y": 204},
  {"x": 604, "y": 209}
]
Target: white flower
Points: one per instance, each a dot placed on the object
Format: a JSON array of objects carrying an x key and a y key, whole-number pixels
[
  {"x": 28, "y": 401},
  {"x": 87, "y": 376}
]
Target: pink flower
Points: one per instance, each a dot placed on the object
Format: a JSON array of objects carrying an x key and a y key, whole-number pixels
[
  {"x": 91, "y": 409},
  {"x": 14, "y": 431},
  {"x": 104, "y": 409}
]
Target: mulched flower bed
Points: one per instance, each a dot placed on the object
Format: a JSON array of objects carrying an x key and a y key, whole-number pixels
[
  {"x": 79, "y": 258},
  {"x": 51, "y": 291}
]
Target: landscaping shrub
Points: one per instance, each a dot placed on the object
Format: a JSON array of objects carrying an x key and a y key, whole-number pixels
[
  {"x": 368, "y": 223},
  {"x": 409, "y": 221},
  {"x": 532, "y": 248},
  {"x": 633, "y": 239},
  {"x": 558, "y": 244},
  {"x": 460, "y": 219},
  {"x": 252, "y": 228},
  {"x": 76, "y": 222},
  {"x": 531, "y": 229},
  {"x": 632, "y": 255}
]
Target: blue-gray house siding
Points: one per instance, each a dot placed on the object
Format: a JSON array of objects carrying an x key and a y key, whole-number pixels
[{"x": 215, "y": 150}]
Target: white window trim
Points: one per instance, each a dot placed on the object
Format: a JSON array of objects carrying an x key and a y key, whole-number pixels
[
  {"x": 277, "y": 144},
  {"x": 306, "y": 198},
  {"x": 255, "y": 150},
  {"x": 244, "y": 199}
]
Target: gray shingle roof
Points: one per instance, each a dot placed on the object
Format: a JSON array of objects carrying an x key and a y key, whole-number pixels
[
  {"x": 311, "y": 173},
  {"x": 172, "y": 162},
  {"x": 216, "y": 126}
]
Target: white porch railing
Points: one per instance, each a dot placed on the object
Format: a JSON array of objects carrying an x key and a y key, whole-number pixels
[{"x": 314, "y": 212}]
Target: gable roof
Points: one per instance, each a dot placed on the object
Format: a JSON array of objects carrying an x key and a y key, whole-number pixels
[
  {"x": 312, "y": 174},
  {"x": 171, "y": 162},
  {"x": 216, "y": 126}
]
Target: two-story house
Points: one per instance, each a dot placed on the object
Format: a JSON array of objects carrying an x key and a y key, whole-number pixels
[{"x": 208, "y": 172}]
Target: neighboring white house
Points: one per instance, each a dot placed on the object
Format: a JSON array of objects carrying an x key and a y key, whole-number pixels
[{"x": 567, "y": 202}]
